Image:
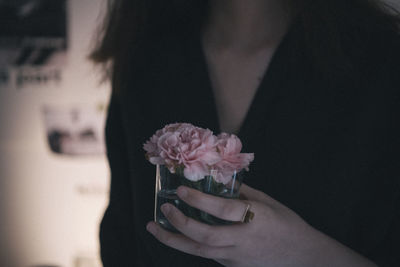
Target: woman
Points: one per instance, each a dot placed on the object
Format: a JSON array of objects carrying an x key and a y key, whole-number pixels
[{"x": 311, "y": 87}]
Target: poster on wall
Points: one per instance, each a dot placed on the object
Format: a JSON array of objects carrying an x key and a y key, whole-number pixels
[
  {"x": 33, "y": 42},
  {"x": 74, "y": 130}
]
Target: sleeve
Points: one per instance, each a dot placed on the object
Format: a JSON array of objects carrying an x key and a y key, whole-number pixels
[
  {"x": 117, "y": 240},
  {"x": 387, "y": 253}
]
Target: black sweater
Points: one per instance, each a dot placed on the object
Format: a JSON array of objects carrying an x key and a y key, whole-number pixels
[{"x": 328, "y": 149}]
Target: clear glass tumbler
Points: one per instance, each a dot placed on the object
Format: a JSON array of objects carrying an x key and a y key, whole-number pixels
[{"x": 165, "y": 192}]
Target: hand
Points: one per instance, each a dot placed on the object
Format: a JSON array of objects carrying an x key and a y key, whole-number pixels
[{"x": 275, "y": 237}]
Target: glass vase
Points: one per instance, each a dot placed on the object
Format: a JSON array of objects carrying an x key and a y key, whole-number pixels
[{"x": 165, "y": 192}]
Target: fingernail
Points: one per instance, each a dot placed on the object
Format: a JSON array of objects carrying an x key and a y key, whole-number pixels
[
  {"x": 182, "y": 192},
  {"x": 150, "y": 228},
  {"x": 165, "y": 209}
]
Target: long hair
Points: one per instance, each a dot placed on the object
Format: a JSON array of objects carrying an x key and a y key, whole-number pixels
[
  {"x": 328, "y": 25},
  {"x": 128, "y": 22}
]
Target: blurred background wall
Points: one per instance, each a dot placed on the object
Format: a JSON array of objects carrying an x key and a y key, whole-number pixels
[{"x": 53, "y": 173}]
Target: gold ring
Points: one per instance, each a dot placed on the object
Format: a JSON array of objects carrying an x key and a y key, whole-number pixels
[{"x": 248, "y": 215}]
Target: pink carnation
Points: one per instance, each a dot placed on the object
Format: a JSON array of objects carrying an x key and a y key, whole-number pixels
[
  {"x": 182, "y": 144},
  {"x": 151, "y": 146},
  {"x": 229, "y": 147}
]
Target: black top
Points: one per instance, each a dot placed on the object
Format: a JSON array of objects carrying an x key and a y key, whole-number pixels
[{"x": 328, "y": 150}]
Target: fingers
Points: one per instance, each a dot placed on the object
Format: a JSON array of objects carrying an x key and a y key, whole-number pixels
[
  {"x": 200, "y": 232},
  {"x": 226, "y": 209},
  {"x": 184, "y": 244}
]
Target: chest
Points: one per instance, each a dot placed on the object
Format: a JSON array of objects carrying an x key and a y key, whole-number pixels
[{"x": 235, "y": 78}]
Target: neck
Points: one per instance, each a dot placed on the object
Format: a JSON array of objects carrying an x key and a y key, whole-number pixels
[{"x": 246, "y": 24}]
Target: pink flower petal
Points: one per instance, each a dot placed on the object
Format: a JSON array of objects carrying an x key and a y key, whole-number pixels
[{"x": 195, "y": 171}]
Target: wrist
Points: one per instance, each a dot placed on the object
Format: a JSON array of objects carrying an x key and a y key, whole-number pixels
[{"x": 326, "y": 251}]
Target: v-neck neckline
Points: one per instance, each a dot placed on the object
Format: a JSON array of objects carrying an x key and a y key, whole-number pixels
[{"x": 264, "y": 91}]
